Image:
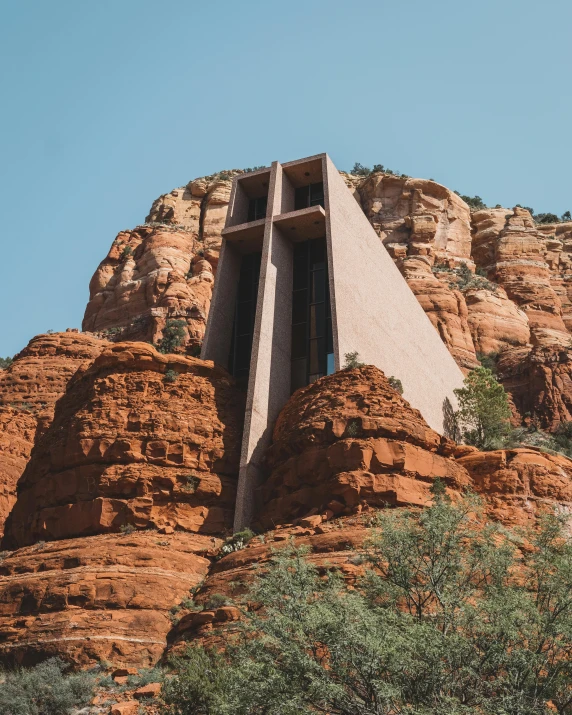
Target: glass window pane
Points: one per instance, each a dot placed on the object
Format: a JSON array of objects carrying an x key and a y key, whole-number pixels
[
  {"x": 318, "y": 253},
  {"x": 244, "y": 319},
  {"x": 317, "y": 194},
  {"x": 299, "y": 341},
  {"x": 298, "y": 375},
  {"x": 317, "y": 356},
  {"x": 301, "y": 198},
  {"x": 243, "y": 347},
  {"x": 245, "y": 285},
  {"x": 261, "y": 207},
  {"x": 330, "y": 363},
  {"x": 317, "y": 321},
  {"x": 251, "y": 210},
  {"x": 299, "y": 306},
  {"x": 317, "y": 286},
  {"x": 329, "y": 336}
]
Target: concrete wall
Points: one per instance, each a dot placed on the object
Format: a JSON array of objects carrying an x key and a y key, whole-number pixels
[
  {"x": 269, "y": 379},
  {"x": 375, "y": 313}
]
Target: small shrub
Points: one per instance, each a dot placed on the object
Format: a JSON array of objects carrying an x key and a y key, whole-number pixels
[
  {"x": 467, "y": 280},
  {"x": 126, "y": 253},
  {"x": 396, "y": 384},
  {"x": 170, "y": 376},
  {"x": 254, "y": 168},
  {"x": 488, "y": 360},
  {"x": 216, "y": 600},
  {"x": 191, "y": 484},
  {"x": 526, "y": 208},
  {"x": 236, "y": 542},
  {"x": 146, "y": 676},
  {"x": 361, "y": 170},
  {"x": 5, "y": 362},
  {"x": 546, "y": 218},
  {"x": 173, "y": 336},
  {"x": 45, "y": 690},
  {"x": 566, "y": 216},
  {"x": 224, "y": 176},
  {"x": 475, "y": 203},
  {"x": 353, "y": 428},
  {"x": 352, "y": 360},
  {"x": 126, "y": 529}
]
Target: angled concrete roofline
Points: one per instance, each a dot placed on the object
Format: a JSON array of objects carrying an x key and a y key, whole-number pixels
[{"x": 373, "y": 310}]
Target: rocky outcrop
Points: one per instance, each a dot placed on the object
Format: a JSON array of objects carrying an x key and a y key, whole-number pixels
[
  {"x": 100, "y": 598},
  {"x": 164, "y": 269},
  {"x": 520, "y": 484},
  {"x": 417, "y": 217},
  {"x": 445, "y": 307},
  {"x": 350, "y": 440},
  {"x": 539, "y": 381},
  {"x": 514, "y": 255},
  {"x": 139, "y": 438},
  {"x": 495, "y": 322},
  {"x": 29, "y": 389}
]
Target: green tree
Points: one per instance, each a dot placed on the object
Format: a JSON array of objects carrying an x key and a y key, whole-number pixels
[
  {"x": 173, "y": 335},
  {"x": 44, "y": 690},
  {"x": 352, "y": 360},
  {"x": 449, "y": 619},
  {"x": 5, "y": 362},
  {"x": 484, "y": 412}
]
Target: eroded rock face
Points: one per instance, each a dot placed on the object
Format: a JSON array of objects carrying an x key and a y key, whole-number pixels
[
  {"x": 520, "y": 484},
  {"x": 445, "y": 307},
  {"x": 350, "y": 440},
  {"x": 163, "y": 269},
  {"x": 97, "y": 598},
  {"x": 29, "y": 389},
  {"x": 539, "y": 381},
  {"x": 134, "y": 444},
  {"x": 417, "y": 217},
  {"x": 514, "y": 254}
]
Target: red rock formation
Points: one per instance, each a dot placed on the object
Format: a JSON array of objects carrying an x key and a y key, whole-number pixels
[
  {"x": 97, "y": 598},
  {"x": 416, "y": 217},
  {"x": 520, "y": 484},
  {"x": 445, "y": 307},
  {"x": 514, "y": 254},
  {"x": 29, "y": 389},
  {"x": 133, "y": 444},
  {"x": 539, "y": 381},
  {"x": 495, "y": 322},
  {"x": 348, "y": 440}
]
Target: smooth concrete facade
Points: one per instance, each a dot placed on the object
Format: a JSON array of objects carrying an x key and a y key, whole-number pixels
[{"x": 373, "y": 309}]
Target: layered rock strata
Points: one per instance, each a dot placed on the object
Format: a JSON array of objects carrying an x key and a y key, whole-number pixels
[
  {"x": 348, "y": 440},
  {"x": 139, "y": 438},
  {"x": 29, "y": 389},
  {"x": 99, "y": 598}
]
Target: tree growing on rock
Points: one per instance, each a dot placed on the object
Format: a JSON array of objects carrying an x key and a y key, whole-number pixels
[
  {"x": 173, "y": 336},
  {"x": 484, "y": 412},
  {"x": 448, "y": 618}
]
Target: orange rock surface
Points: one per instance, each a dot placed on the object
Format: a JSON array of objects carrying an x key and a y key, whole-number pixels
[
  {"x": 97, "y": 598},
  {"x": 132, "y": 445},
  {"x": 347, "y": 440},
  {"x": 29, "y": 389}
]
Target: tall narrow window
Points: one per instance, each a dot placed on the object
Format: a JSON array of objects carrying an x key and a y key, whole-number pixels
[
  {"x": 311, "y": 195},
  {"x": 244, "y": 316},
  {"x": 312, "y": 344},
  {"x": 257, "y": 208}
]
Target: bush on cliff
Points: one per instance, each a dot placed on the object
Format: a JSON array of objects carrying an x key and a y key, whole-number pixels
[
  {"x": 484, "y": 412},
  {"x": 5, "y": 362},
  {"x": 449, "y": 618},
  {"x": 44, "y": 690},
  {"x": 173, "y": 336}
]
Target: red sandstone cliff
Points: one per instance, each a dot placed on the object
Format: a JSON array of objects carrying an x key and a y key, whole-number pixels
[{"x": 29, "y": 389}]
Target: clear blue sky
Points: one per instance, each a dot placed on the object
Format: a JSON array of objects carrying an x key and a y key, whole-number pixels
[{"x": 108, "y": 104}]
